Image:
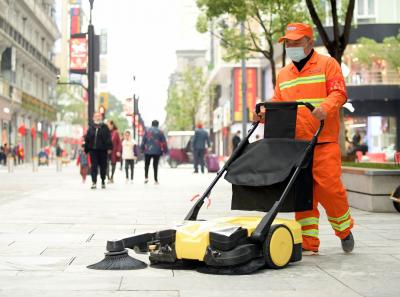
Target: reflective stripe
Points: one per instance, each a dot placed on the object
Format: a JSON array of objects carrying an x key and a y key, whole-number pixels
[
  {"x": 302, "y": 81},
  {"x": 311, "y": 232},
  {"x": 342, "y": 226},
  {"x": 314, "y": 101},
  {"x": 308, "y": 221},
  {"x": 342, "y": 218}
]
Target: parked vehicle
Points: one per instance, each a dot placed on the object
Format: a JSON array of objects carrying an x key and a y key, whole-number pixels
[{"x": 180, "y": 149}]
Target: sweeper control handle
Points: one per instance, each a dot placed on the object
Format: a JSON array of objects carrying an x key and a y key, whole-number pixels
[{"x": 277, "y": 104}]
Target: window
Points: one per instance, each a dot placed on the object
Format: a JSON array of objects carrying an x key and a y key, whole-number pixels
[{"x": 365, "y": 11}]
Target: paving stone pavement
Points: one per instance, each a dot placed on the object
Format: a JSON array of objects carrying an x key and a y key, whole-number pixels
[{"x": 52, "y": 226}]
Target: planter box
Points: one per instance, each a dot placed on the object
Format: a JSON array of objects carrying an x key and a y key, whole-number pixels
[{"x": 369, "y": 189}]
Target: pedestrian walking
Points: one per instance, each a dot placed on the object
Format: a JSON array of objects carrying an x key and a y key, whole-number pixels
[
  {"x": 3, "y": 156},
  {"x": 83, "y": 161},
  {"x": 98, "y": 144},
  {"x": 121, "y": 159},
  {"x": 115, "y": 155},
  {"x": 129, "y": 155},
  {"x": 200, "y": 142},
  {"x": 20, "y": 153},
  {"x": 317, "y": 79},
  {"x": 236, "y": 140},
  {"x": 153, "y": 146}
]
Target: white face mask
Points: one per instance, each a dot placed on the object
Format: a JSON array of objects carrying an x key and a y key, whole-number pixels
[
  {"x": 296, "y": 54},
  {"x": 97, "y": 122}
]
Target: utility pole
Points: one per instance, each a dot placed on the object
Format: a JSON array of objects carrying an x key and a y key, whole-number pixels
[
  {"x": 135, "y": 111},
  {"x": 244, "y": 87},
  {"x": 91, "y": 67}
]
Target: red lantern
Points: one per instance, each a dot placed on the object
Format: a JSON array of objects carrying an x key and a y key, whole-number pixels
[{"x": 22, "y": 130}]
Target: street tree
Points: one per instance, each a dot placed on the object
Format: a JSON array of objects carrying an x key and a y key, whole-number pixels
[
  {"x": 342, "y": 14},
  {"x": 184, "y": 99},
  {"x": 115, "y": 112},
  {"x": 264, "y": 20},
  {"x": 70, "y": 105},
  {"x": 341, "y": 17}
]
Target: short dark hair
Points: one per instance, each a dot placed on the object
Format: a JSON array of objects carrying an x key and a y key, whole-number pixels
[{"x": 154, "y": 123}]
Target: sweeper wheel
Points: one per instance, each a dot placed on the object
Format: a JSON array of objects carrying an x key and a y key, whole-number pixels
[{"x": 278, "y": 247}]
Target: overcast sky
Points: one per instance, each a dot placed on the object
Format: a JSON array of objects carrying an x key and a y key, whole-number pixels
[{"x": 143, "y": 36}]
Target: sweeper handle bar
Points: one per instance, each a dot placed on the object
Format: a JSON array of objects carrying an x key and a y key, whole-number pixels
[
  {"x": 262, "y": 229},
  {"x": 306, "y": 104},
  {"x": 194, "y": 211}
]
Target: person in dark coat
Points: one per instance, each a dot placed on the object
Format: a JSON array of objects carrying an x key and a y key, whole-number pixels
[
  {"x": 98, "y": 144},
  {"x": 116, "y": 151},
  {"x": 153, "y": 146},
  {"x": 236, "y": 140},
  {"x": 200, "y": 142}
]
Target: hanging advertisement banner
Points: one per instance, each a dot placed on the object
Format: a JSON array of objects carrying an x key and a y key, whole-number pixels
[
  {"x": 78, "y": 54},
  {"x": 251, "y": 93},
  {"x": 75, "y": 20}
]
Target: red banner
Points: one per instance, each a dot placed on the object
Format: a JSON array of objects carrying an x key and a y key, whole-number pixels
[
  {"x": 251, "y": 92},
  {"x": 78, "y": 54},
  {"x": 33, "y": 132},
  {"x": 75, "y": 20}
]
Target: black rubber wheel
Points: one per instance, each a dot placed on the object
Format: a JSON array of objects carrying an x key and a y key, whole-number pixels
[
  {"x": 278, "y": 247},
  {"x": 396, "y": 206}
]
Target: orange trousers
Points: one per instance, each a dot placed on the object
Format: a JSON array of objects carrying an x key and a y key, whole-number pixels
[{"x": 330, "y": 193}]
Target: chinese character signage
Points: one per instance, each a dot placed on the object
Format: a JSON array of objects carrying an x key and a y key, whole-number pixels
[
  {"x": 251, "y": 93},
  {"x": 78, "y": 54}
]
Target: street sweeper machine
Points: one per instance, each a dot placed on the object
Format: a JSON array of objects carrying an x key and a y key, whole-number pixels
[{"x": 271, "y": 175}]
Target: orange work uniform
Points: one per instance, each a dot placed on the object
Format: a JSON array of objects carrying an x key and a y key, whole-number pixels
[{"x": 321, "y": 83}]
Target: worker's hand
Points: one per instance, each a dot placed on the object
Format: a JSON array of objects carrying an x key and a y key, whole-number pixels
[
  {"x": 319, "y": 113},
  {"x": 118, "y": 154},
  {"x": 260, "y": 117}
]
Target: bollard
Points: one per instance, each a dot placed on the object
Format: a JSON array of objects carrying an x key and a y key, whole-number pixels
[
  {"x": 59, "y": 164},
  {"x": 35, "y": 164},
  {"x": 10, "y": 164}
]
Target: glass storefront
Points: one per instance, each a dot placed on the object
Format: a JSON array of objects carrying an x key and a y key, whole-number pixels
[{"x": 373, "y": 134}]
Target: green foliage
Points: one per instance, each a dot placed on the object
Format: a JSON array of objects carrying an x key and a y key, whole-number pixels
[
  {"x": 70, "y": 104},
  {"x": 369, "y": 50},
  {"x": 115, "y": 112},
  {"x": 371, "y": 165},
  {"x": 392, "y": 52},
  {"x": 264, "y": 20},
  {"x": 184, "y": 99}
]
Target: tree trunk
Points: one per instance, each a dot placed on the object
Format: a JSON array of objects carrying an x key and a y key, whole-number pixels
[
  {"x": 272, "y": 62},
  {"x": 335, "y": 47},
  {"x": 283, "y": 55}
]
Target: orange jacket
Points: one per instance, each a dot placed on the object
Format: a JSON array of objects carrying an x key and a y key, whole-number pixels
[{"x": 321, "y": 83}]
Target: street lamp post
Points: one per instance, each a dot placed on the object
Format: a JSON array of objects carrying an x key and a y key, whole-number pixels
[
  {"x": 135, "y": 111},
  {"x": 91, "y": 67}
]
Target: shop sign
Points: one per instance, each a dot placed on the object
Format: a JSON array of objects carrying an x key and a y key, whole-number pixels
[{"x": 251, "y": 92}]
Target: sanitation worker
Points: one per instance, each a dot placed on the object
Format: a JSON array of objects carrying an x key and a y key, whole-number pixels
[{"x": 317, "y": 79}]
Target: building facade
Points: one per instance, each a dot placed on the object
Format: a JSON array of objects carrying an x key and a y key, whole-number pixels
[
  {"x": 28, "y": 75},
  {"x": 373, "y": 83}
]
